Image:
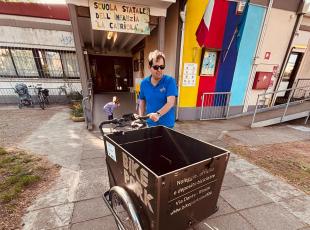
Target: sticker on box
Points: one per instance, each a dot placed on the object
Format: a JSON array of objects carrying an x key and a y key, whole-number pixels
[{"x": 111, "y": 151}]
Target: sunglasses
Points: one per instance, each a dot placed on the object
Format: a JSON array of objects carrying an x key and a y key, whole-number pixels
[{"x": 157, "y": 67}]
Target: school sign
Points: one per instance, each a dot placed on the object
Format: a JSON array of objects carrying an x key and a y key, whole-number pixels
[{"x": 119, "y": 17}]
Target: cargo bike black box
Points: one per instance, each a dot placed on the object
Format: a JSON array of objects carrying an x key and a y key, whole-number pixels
[{"x": 162, "y": 179}]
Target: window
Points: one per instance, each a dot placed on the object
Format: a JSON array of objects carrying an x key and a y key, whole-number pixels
[
  {"x": 54, "y": 65},
  {"x": 24, "y": 63},
  {"x": 6, "y": 63},
  {"x": 70, "y": 66},
  {"x": 18, "y": 62}
]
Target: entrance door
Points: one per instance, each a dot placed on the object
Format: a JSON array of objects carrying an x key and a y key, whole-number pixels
[
  {"x": 291, "y": 68},
  {"x": 111, "y": 74},
  {"x": 289, "y": 76}
]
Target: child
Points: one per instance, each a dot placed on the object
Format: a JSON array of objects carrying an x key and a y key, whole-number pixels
[{"x": 110, "y": 106}]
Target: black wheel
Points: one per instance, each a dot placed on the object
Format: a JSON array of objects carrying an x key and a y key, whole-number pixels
[
  {"x": 47, "y": 102},
  {"x": 124, "y": 208},
  {"x": 41, "y": 101}
]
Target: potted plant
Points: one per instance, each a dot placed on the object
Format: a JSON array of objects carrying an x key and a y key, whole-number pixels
[{"x": 77, "y": 113}]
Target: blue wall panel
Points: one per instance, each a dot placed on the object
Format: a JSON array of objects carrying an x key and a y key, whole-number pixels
[
  {"x": 227, "y": 67},
  {"x": 247, "y": 49}
]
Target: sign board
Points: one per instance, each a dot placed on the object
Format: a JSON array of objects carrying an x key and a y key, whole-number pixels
[
  {"x": 118, "y": 17},
  {"x": 189, "y": 74}
]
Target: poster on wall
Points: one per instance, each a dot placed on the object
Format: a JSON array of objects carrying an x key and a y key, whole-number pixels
[
  {"x": 189, "y": 74},
  {"x": 119, "y": 17},
  {"x": 208, "y": 63}
]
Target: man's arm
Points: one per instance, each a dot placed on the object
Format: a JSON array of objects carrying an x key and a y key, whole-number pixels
[
  {"x": 165, "y": 109},
  {"x": 170, "y": 103},
  {"x": 141, "y": 107}
]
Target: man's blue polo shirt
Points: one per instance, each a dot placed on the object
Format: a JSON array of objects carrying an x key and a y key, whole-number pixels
[{"x": 155, "y": 98}]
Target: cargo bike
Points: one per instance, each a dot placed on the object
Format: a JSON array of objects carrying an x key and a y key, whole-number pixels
[{"x": 160, "y": 178}]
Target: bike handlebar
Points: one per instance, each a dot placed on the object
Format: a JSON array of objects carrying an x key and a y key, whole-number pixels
[{"x": 126, "y": 117}]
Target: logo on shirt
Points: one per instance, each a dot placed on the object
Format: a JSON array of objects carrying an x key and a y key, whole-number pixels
[{"x": 162, "y": 90}]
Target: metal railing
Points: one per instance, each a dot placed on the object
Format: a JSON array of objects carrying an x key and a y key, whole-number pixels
[
  {"x": 215, "y": 105},
  {"x": 59, "y": 95},
  {"x": 302, "y": 82},
  {"x": 285, "y": 103}
]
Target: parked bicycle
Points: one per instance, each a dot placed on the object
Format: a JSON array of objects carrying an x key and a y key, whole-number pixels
[{"x": 43, "y": 95}]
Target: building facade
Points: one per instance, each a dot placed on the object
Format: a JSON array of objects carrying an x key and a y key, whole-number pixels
[
  {"x": 37, "y": 48},
  {"x": 255, "y": 41}
]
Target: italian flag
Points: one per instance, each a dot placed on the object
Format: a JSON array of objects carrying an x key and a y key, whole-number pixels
[{"x": 204, "y": 26}]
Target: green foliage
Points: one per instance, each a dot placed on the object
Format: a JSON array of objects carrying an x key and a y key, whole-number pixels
[
  {"x": 2, "y": 151},
  {"x": 77, "y": 109},
  {"x": 17, "y": 171},
  {"x": 75, "y": 96}
]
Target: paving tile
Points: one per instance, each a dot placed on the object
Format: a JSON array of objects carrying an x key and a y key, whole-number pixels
[
  {"x": 92, "y": 163},
  {"x": 299, "y": 206},
  {"x": 244, "y": 197},
  {"x": 271, "y": 216},
  {"x": 232, "y": 221},
  {"x": 93, "y": 183},
  {"x": 62, "y": 228},
  {"x": 240, "y": 165},
  {"x": 54, "y": 217},
  {"x": 231, "y": 181},
  {"x": 278, "y": 190},
  {"x": 106, "y": 223},
  {"x": 68, "y": 178},
  {"x": 96, "y": 153},
  {"x": 89, "y": 209},
  {"x": 255, "y": 176},
  {"x": 305, "y": 228},
  {"x": 224, "y": 208},
  {"x": 51, "y": 198}
]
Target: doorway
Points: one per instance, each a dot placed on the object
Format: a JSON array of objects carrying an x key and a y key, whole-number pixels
[
  {"x": 111, "y": 73},
  {"x": 289, "y": 76},
  {"x": 291, "y": 68}
]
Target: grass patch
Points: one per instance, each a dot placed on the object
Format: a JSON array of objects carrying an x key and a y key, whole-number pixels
[
  {"x": 290, "y": 161},
  {"x": 18, "y": 171},
  {"x": 22, "y": 177}
]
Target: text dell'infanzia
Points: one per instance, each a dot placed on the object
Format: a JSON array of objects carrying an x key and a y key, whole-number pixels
[{"x": 120, "y": 17}]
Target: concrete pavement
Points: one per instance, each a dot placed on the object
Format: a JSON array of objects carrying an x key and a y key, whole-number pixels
[{"x": 250, "y": 198}]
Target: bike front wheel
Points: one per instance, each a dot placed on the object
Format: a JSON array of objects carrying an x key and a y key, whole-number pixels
[{"x": 124, "y": 208}]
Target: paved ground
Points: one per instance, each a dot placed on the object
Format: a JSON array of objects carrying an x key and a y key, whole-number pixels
[{"x": 250, "y": 197}]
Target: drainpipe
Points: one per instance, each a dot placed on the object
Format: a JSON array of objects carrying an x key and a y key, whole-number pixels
[
  {"x": 257, "y": 55},
  {"x": 182, "y": 27},
  {"x": 289, "y": 48}
]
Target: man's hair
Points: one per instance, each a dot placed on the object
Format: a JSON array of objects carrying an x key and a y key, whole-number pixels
[{"x": 156, "y": 55}]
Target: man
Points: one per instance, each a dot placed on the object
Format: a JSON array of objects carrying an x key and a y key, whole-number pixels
[{"x": 158, "y": 93}]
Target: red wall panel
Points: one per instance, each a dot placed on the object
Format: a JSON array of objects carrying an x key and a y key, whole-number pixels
[
  {"x": 215, "y": 40},
  {"x": 52, "y": 11}
]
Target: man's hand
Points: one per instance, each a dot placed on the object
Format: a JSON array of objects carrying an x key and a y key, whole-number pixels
[
  {"x": 154, "y": 116},
  {"x": 136, "y": 116}
]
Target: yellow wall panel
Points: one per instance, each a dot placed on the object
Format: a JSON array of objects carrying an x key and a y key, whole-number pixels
[{"x": 191, "y": 50}]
